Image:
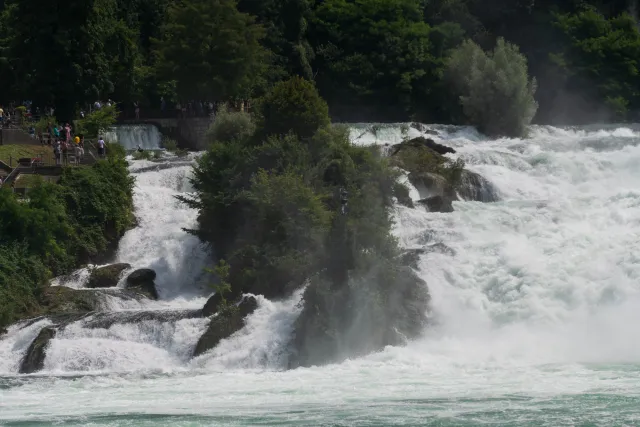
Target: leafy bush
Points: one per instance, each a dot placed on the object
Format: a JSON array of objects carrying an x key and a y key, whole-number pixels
[
  {"x": 99, "y": 121},
  {"x": 420, "y": 160},
  {"x": 42, "y": 125},
  {"x": 495, "y": 91},
  {"x": 22, "y": 278},
  {"x": 598, "y": 57},
  {"x": 169, "y": 144},
  {"x": 142, "y": 155},
  {"x": 271, "y": 205},
  {"x": 59, "y": 227},
  {"x": 230, "y": 126},
  {"x": 292, "y": 106}
]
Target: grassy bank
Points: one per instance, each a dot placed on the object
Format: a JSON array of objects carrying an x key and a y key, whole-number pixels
[{"x": 11, "y": 153}]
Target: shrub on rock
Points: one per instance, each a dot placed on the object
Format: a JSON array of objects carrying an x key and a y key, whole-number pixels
[{"x": 495, "y": 91}]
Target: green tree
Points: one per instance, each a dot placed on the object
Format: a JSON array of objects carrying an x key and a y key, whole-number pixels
[
  {"x": 600, "y": 62},
  {"x": 58, "y": 53},
  {"x": 495, "y": 91},
  {"x": 97, "y": 122},
  {"x": 211, "y": 50},
  {"x": 292, "y": 106},
  {"x": 286, "y": 25},
  {"x": 376, "y": 60}
]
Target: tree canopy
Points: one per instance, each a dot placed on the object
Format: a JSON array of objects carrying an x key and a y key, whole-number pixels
[{"x": 371, "y": 60}]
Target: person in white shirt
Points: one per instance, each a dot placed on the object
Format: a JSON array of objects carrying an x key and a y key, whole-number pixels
[{"x": 101, "y": 147}]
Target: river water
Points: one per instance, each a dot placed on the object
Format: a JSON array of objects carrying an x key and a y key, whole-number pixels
[{"x": 533, "y": 319}]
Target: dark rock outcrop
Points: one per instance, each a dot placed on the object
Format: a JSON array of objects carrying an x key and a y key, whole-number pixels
[
  {"x": 143, "y": 281},
  {"x": 411, "y": 257},
  {"x": 438, "y": 203},
  {"x": 212, "y": 305},
  {"x": 107, "y": 277},
  {"x": 141, "y": 276},
  {"x": 431, "y": 184},
  {"x": 33, "y": 361},
  {"x": 423, "y": 142},
  {"x": 108, "y": 319},
  {"x": 385, "y": 305},
  {"x": 402, "y": 194},
  {"x": 474, "y": 187},
  {"x": 226, "y": 323},
  {"x": 63, "y": 301}
]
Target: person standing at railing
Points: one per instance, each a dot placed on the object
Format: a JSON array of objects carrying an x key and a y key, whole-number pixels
[{"x": 56, "y": 151}]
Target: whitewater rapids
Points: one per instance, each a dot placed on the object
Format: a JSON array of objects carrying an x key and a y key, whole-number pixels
[{"x": 533, "y": 319}]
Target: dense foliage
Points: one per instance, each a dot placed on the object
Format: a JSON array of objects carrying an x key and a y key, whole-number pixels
[
  {"x": 270, "y": 202},
  {"x": 372, "y": 60},
  {"x": 494, "y": 89},
  {"x": 59, "y": 227}
]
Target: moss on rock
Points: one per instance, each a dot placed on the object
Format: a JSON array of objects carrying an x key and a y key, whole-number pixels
[{"x": 108, "y": 276}]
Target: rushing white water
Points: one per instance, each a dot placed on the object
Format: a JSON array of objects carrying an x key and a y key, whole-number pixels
[
  {"x": 533, "y": 317},
  {"x": 131, "y": 137}
]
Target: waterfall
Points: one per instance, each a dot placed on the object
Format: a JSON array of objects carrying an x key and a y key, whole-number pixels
[
  {"x": 146, "y": 136},
  {"x": 535, "y": 302}
]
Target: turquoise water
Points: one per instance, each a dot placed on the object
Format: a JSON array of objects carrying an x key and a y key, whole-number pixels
[{"x": 603, "y": 395}]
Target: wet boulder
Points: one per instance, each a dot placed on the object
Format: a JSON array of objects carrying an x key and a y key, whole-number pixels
[
  {"x": 143, "y": 281},
  {"x": 63, "y": 300},
  {"x": 229, "y": 321},
  {"x": 213, "y": 305},
  {"x": 108, "y": 276},
  {"x": 424, "y": 142},
  {"x": 440, "y": 204},
  {"x": 431, "y": 184},
  {"x": 33, "y": 360},
  {"x": 411, "y": 257},
  {"x": 474, "y": 187}
]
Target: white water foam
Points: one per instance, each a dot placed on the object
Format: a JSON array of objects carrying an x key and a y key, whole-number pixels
[
  {"x": 148, "y": 345},
  {"x": 534, "y": 312},
  {"x": 262, "y": 343},
  {"x": 159, "y": 241},
  {"x": 15, "y": 343}
]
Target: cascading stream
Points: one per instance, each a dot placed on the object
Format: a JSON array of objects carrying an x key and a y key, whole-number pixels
[{"x": 534, "y": 310}]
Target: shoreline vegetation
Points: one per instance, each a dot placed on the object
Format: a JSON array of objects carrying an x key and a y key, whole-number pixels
[
  {"x": 59, "y": 228},
  {"x": 567, "y": 62}
]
